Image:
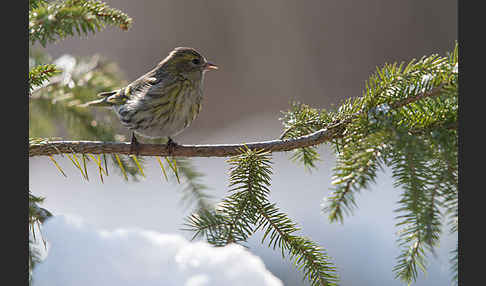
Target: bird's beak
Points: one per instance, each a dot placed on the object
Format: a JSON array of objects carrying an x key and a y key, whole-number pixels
[{"x": 210, "y": 66}]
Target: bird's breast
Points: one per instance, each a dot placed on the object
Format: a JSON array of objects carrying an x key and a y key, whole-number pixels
[{"x": 163, "y": 116}]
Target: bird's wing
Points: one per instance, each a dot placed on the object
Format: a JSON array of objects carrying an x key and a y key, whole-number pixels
[{"x": 152, "y": 85}]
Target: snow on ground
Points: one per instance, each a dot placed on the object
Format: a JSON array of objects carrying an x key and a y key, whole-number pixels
[{"x": 80, "y": 254}]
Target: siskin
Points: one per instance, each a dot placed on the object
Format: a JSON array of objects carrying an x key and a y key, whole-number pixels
[{"x": 164, "y": 101}]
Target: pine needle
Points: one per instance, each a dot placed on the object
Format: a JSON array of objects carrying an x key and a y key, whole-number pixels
[
  {"x": 173, "y": 167},
  {"x": 106, "y": 165},
  {"x": 57, "y": 166},
  {"x": 100, "y": 167},
  {"x": 98, "y": 162},
  {"x": 138, "y": 164},
  {"x": 76, "y": 164},
  {"x": 121, "y": 166},
  {"x": 75, "y": 161},
  {"x": 162, "y": 168},
  {"x": 84, "y": 166}
]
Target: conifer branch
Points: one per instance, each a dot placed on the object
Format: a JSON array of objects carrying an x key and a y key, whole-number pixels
[
  {"x": 50, "y": 21},
  {"x": 39, "y": 74},
  {"x": 349, "y": 179},
  {"x": 36, "y": 3},
  {"x": 454, "y": 260},
  {"x": 414, "y": 171},
  {"x": 327, "y": 134},
  {"x": 247, "y": 210},
  {"x": 236, "y": 219},
  {"x": 305, "y": 253},
  {"x": 36, "y": 213},
  {"x": 208, "y": 223},
  {"x": 223, "y": 150},
  {"x": 37, "y": 216},
  {"x": 413, "y": 132}
]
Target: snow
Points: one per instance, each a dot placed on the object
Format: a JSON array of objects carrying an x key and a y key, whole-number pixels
[{"x": 80, "y": 254}]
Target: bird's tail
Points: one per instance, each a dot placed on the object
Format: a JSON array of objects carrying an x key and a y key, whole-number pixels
[{"x": 103, "y": 102}]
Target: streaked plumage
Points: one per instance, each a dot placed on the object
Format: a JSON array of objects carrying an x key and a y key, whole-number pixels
[{"x": 164, "y": 101}]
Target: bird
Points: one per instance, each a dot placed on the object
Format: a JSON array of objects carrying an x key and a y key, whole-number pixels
[{"x": 164, "y": 101}]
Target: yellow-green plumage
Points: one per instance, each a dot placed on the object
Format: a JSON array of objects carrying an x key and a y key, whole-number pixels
[{"x": 164, "y": 101}]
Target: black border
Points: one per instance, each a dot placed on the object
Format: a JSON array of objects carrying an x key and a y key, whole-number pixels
[{"x": 15, "y": 134}]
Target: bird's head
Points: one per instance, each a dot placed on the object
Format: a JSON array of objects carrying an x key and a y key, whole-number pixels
[{"x": 186, "y": 61}]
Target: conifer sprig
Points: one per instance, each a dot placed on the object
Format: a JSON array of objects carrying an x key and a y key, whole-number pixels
[
  {"x": 420, "y": 218},
  {"x": 51, "y": 21},
  {"x": 37, "y": 216},
  {"x": 40, "y": 74},
  {"x": 36, "y": 3},
  {"x": 357, "y": 164},
  {"x": 408, "y": 122},
  {"x": 303, "y": 120},
  {"x": 454, "y": 261},
  {"x": 36, "y": 213},
  {"x": 247, "y": 210},
  {"x": 306, "y": 255}
]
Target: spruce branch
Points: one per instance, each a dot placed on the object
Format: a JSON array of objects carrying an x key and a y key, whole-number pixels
[
  {"x": 454, "y": 261},
  {"x": 50, "y": 21},
  {"x": 231, "y": 221},
  {"x": 331, "y": 132},
  {"x": 411, "y": 236},
  {"x": 302, "y": 120},
  {"x": 391, "y": 87},
  {"x": 419, "y": 205},
  {"x": 209, "y": 224},
  {"x": 247, "y": 210},
  {"x": 406, "y": 120},
  {"x": 40, "y": 74},
  {"x": 356, "y": 168},
  {"x": 37, "y": 216},
  {"x": 36, "y": 3},
  {"x": 304, "y": 253},
  {"x": 36, "y": 213}
]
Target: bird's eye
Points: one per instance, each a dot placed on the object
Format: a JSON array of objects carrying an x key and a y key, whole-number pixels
[{"x": 196, "y": 61}]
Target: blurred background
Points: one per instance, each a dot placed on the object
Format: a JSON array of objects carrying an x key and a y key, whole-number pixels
[{"x": 270, "y": 53}]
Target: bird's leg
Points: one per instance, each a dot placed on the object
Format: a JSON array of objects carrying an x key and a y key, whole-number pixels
[
  {"x": 134, "y": 146},
  {"x": 170, "y": 146}
]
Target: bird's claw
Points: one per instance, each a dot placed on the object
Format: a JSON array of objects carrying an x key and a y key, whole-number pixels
[
  {"x": 134, "y": 146},
  {"x": 171, "y": 144}
]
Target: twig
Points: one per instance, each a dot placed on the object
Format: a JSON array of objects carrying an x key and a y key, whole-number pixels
[{"x": 433, "y": 92}]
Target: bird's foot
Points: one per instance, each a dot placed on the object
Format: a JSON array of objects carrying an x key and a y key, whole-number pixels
[
  {"x": 171, "y": 144},
  {"x": 134, "y": 146}
]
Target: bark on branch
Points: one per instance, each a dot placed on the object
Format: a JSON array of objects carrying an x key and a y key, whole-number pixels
[{"x": 224, "y": 150}]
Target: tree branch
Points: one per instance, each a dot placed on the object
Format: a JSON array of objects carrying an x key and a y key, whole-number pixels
[{"x": 224, "y": 150}]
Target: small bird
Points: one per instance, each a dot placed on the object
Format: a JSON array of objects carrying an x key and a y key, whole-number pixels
[{"x": 164, "y": 101}]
